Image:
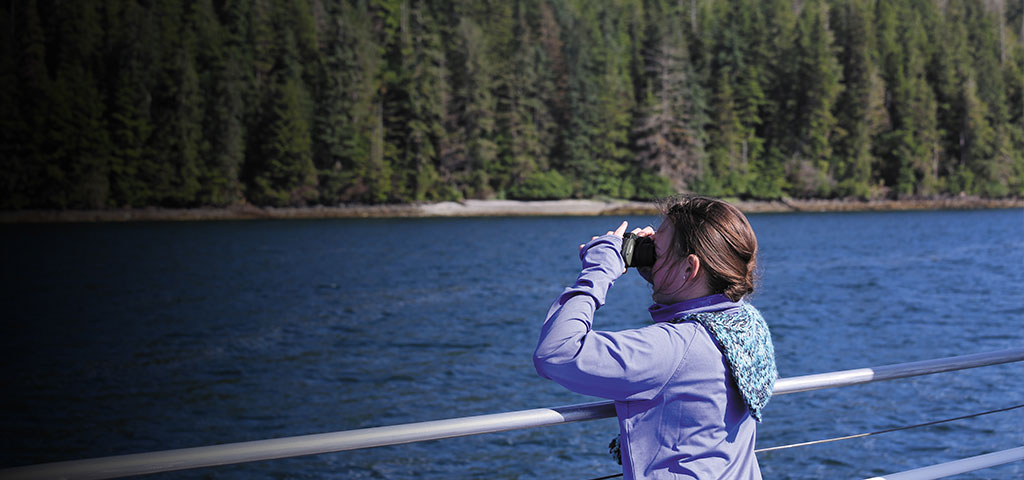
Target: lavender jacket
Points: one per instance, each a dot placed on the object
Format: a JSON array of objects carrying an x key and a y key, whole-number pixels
[{"x": 680, "y": 413}]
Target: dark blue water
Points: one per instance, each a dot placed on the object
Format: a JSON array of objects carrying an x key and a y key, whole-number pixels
[{"x": 121, "y": 338}]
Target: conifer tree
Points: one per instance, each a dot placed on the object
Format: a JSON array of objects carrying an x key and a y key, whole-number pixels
[
  {"x": 1013, "y": 73},
  {"x": 727, "y": 135},
  {"x": 73, "y": 142},
  {"x": 11, "y": 160},
  {"x": 344, "y": 124},
  {"x": 174, "y": 167},
  {"x": 669, "y": 133},
  {"x": 222, "y": 149},
  {"x": 949, "y": 72},
  {"x": 735, "y": 150},
  {"x": 468, "y": 148},
  {"x": 23, "y": 82},
  {"x": 531, "y": 92},
  {"x": 990, "y": 151},
  {"x": 601, "y": 100},
  {"x": 908, "y": 151},
  {"x": 280, "y": 167},
  {"x": 282, "y": 172},
  {"x": 412, "y": 102},
  {"x": 860, "y": 111},
  {"x": 130, "y": 40},
  {"x": 816, "y": 76}
]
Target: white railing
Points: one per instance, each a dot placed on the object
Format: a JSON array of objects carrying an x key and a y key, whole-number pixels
[
  {"x": 957, "y": 467},
  {"x": 226, "y": 454}
]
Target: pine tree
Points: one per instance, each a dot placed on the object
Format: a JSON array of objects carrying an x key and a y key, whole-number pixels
[
  {"x": 726, "y": 140},
  {"x": 531, "y": 92},
  {"x": 816, "y": 76},
  {"x": 949, "y": 72},
  {"x": 469, "y": 149},
  {"x": 23, "y": 82},
  {"x": 174, "y": 167},
  {"x": 344, "y": 124},
  {"x": 601, "y": 99},
  {"x": 412, "y": 106},
  {"x": 280, "y": 170},
  {"x": 222, "y": 149},
  {"x": 73, "y": 142},
  {"x": 1013, "y": 73},
  {"x": 736, "y": 151},
  {"x": 988, "y": 125},
  {"x": 908, "y": 151},
  {"x": 11, "y": 156},
  {"x": 860, "y": 111},
  {"x": 128, "y": 114},
  {"x": 283, "y": 173},
  {"x": 669, "y": 130}
]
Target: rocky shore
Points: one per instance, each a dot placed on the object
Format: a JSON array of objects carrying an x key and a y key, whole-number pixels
[{"x": 486, "y": 208}]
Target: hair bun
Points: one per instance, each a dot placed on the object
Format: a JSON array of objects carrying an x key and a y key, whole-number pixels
[{"x": 720, "y": 235}]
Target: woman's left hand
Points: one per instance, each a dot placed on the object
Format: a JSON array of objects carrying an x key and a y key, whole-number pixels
[{"x": 618, "y": 232}]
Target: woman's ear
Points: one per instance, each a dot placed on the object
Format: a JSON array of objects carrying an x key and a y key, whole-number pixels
[{"x": 692, "y": 267}]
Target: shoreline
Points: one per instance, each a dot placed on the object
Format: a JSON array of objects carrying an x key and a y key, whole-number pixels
[{"x": 487, "y": 208}]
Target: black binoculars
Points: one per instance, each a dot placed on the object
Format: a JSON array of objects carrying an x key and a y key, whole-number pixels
[{"x": 638, "y": 251}]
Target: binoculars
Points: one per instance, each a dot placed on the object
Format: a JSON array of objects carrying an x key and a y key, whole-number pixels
[{"x": 638, "y": 251}]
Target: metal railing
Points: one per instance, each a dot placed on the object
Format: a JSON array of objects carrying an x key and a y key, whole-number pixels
[
  {"x": 226, "y": 454},
  {"x": 957, "y": 467}
]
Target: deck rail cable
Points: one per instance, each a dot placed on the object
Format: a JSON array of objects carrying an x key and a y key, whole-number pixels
[
  {"x": 226, "y": 454},
  {"x": 887, "y": 430},
  {"x": 878, "y": 432},
  {"x": 940, "y": 470}
]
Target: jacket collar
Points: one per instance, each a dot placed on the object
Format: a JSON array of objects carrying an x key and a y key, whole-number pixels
[{"x": 710, "y": 303}]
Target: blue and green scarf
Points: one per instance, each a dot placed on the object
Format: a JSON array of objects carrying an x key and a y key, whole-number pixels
[{"x": 743, "y": 337}]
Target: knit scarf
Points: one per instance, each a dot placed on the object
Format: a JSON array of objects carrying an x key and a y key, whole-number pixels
[{"x": 743, "y": 337}]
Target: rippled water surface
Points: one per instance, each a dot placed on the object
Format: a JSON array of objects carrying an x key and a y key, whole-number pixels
[{"x": 121, "y": 338}]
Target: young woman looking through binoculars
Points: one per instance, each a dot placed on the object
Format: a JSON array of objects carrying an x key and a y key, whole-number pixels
[{"x": 689, "y": 388}]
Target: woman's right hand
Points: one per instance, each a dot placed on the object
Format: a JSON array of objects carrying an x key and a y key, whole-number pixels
[
  {"x": 617, "y": 232},
  {"x": 645, "y": 272}
]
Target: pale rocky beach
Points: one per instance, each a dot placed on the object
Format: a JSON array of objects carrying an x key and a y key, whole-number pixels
[{"x": 487, "y": 208}]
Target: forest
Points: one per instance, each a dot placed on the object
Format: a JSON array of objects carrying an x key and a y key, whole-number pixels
[{"x": 192, "y": 103}]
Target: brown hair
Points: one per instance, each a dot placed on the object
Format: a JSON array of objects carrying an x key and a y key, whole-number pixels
[{"x": 720, "y": 236}]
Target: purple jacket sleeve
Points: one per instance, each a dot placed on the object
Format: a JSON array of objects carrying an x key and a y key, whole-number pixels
[{"x": 625, "y": 365}]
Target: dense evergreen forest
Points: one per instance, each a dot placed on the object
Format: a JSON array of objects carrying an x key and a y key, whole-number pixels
[{"x": 130, "y": 103}]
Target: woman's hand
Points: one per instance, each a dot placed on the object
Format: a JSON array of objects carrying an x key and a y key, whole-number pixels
[
  {"x": 645, "y": 272},
  {"x": 618, "y": 232},
  {"x": 643, "y": 232}
]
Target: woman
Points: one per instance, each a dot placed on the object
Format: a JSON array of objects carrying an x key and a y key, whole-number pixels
[{"x": 689, "y": 388}]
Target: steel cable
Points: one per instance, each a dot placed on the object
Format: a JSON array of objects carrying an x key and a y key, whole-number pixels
[{"x": 861, "y": 435}]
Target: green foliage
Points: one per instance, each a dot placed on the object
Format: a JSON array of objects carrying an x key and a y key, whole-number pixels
[
  {"x": 860, "y": 109},
  {"x": 669, "y": 127},
  {"x": 285, "y": 176},
  {"x": 548, "y": 185},
  {"x": 817, "y": 72},
  {"x": 120, "y": 103},
  {"x": 648, "y": 186}
]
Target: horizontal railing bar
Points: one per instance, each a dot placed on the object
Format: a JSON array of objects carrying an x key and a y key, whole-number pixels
[
  {"x": 857, "y": 376},
  {"x": 957, "y": 467},
  {"x": 242, "y": 452},
  {"x": 226, "y": 454}
]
